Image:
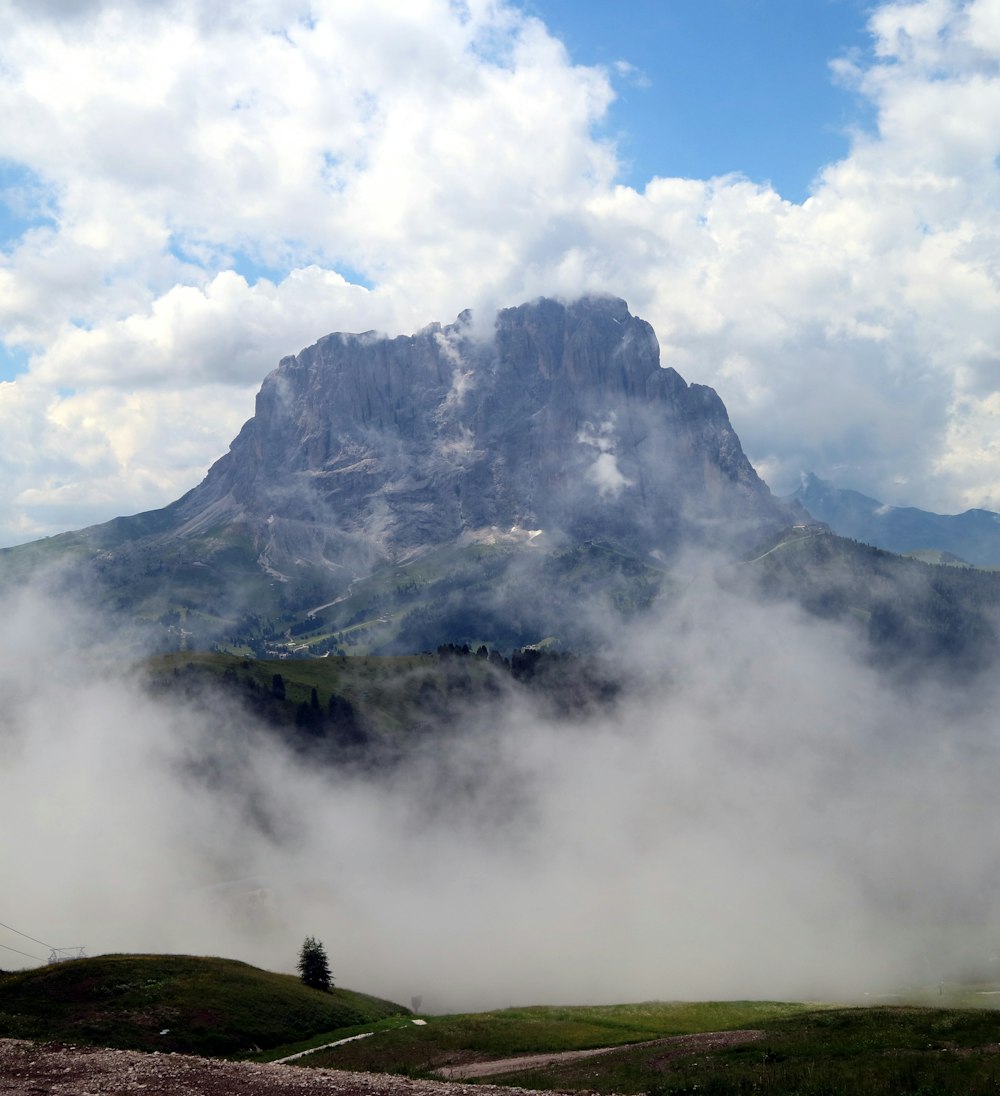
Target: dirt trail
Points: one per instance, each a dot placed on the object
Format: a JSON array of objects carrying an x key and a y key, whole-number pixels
[{"x": 674, "y": 1045}]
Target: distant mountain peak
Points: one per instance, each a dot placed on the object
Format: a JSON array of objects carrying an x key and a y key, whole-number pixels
[{"x": 973, "y": 535}]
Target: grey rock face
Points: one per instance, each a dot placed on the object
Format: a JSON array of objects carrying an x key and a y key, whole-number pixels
[
  {"x": 563, "y": 422},
  {"x": 393, "y": 494}
]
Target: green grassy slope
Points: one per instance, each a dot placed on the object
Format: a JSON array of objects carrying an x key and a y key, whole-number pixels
[
  {"x": 388, "y": 701},
  {"x": 888, "y": 1051},
  {"x": 913, "y": 614},
  {"x": 501, "y": 595},
  {"x": 540, "y": 1029},
  {"x": 211, "y": 588},
  {"x": 387, "y": 690},
  {"x": 810, "y": 1051},
  {"x": 181, "y": 1003},
  {"x": 222, "y": 1007}
]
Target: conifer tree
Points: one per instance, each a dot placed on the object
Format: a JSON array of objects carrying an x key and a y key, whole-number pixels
[{"x": 314, "y": 970}]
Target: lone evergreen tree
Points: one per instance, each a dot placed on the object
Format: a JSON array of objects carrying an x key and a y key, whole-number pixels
[{"x": 314, "y": 970}]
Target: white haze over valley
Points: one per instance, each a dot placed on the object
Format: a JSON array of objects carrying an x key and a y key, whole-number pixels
[{"x": 762, "y": 816}]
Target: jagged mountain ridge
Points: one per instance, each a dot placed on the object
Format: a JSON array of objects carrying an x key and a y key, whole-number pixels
[
  {"x": 367, "y": 455},
  {"x": 564, "y": 422}
]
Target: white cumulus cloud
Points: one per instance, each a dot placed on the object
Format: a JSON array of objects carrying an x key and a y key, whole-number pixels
[{"x": 196, "y": 191}]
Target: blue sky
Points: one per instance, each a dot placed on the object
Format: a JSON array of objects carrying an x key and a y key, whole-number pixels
[{"x": 733, "y": 85}]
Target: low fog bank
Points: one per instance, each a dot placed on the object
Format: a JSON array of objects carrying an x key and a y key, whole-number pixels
[{"x": 761, "y": 816}]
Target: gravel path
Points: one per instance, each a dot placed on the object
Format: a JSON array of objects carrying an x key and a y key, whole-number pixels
[
  {"x": 51, "y": 1069},
  {"x": 54, "y": 1069}
]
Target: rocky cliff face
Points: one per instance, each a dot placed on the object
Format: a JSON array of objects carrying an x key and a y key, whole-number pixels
[
  {"x": 563, "y": 422},
  {"x": 446, "y": 486}
]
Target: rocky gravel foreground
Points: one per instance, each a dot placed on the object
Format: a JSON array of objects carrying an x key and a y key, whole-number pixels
[{"x": 54, "y": 1069}]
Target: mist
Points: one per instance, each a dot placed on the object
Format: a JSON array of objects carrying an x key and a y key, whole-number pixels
[{"x": 762, "y": 815}]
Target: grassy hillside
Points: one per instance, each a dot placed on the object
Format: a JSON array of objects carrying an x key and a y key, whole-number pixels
[
  {"x": 889, "y": 1051},
  {"x": 914, "y": 615},
  {"x": 222, "y": 1007},
  {"x": 179, "y": 1003},
  {"x": 210, "y": 589},
  {"x": 384, "y": 692},
  {"x": 502, "y": 595},
  {"x": 807, "y": 1050},
  {"x": 447, "y": 1040},
  {"x": 366, "y": 706}
]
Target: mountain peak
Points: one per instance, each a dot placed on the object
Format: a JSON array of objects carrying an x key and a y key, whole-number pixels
[
  {"x": 556, "y": 429},
  {"x": 564, "y": 420}
]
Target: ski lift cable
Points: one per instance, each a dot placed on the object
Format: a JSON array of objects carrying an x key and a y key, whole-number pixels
[{"x": 25, "y": 935}]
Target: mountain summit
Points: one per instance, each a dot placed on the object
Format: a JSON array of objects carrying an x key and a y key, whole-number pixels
[
  {"x": 557, "y": 430},
  {"x": 563, "y": 422}
]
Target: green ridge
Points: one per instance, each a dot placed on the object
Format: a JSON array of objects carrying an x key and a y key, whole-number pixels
[{"x": 183, "y": 1003}]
